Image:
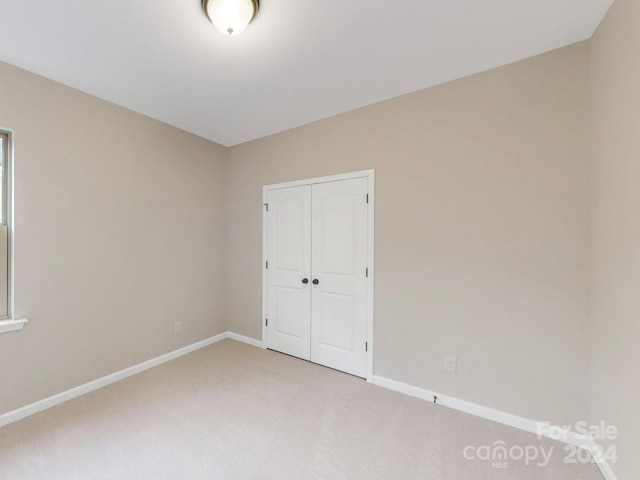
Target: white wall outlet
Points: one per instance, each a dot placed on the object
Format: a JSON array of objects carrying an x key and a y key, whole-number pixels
[
  {"x": 450, "y": 364},
  {"x": 177, "y": 327}
]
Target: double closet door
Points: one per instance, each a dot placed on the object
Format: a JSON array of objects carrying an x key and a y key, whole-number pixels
[{"x": 317, "y": 273}]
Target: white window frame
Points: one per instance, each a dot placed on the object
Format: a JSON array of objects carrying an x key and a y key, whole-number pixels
[{"x": 8, "y": 323}]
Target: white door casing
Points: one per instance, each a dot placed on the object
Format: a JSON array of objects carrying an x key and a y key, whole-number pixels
[{"x": 330, "y": 323}]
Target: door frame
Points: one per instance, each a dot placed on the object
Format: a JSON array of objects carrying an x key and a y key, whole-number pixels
[{"x": 370, "y": 176}]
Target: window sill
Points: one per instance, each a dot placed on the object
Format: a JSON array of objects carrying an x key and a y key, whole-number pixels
[{"x": 12, "y": 325}]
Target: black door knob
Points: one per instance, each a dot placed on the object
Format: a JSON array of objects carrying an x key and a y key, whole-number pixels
[
  {"x": 316, "y": 281},
  {"x": 305, "y": 280}
]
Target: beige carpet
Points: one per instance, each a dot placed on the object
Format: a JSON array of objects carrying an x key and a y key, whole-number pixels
[{"x": 231, "y": 411}]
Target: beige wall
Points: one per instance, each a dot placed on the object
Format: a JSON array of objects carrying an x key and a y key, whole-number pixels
[
  {"x": 482, "y": 230},
  {"x": 482, "y": 233},
  {"x": 615, "y": 94},
  {"x": 120, "y": 231}
]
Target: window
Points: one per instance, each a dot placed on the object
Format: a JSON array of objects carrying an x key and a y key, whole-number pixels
[
  {"x": 5, "y": 151},
  {"x": 8, "y": 323}
]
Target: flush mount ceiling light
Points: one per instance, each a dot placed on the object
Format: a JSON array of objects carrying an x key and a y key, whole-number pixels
[{"x": 231, "y": 16}]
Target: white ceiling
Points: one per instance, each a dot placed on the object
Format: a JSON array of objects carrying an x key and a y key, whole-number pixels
[{"x": 299, "y": 61}]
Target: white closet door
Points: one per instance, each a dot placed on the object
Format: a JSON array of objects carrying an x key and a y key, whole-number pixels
[
  {"x": 339, "y": 262},
  {"x": 289, "y": 256}
]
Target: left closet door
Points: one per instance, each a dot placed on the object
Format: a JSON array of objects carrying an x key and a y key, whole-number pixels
[{"x": 289, "y": 271}]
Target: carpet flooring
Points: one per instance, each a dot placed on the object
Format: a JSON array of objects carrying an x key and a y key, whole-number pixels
[{"x": 232, "y": 411}]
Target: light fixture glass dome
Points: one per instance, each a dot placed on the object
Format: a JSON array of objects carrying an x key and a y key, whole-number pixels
[{"x": 230, "y": 16}]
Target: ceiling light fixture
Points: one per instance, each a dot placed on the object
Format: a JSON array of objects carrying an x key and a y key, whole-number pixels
[{"x": 231, "y": 16}]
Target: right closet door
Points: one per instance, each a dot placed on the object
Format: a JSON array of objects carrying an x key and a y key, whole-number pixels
[
  {"x": 317, "y": 275},
  {"x": 338, "y": 265}
]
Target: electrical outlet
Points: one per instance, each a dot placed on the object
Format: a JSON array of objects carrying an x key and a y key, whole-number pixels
[
  {"x": 450, "y": 364},
  {"x": 177, "y": 327}
]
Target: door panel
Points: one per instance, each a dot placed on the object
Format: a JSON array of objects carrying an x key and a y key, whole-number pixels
[
  {"x": 339, "y": 261},
  {"x": 289, "y": 254},
  {"x": 336, "y": 327},
  {"x": 289, "y": 311},
  {"x": 290, "y": 234},
  {"x": 338, "y": 235}
]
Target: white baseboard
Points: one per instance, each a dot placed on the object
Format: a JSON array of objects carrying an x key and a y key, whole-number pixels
[
  {"x": 457, "y": 404},
  {"x": 509, "y": 419},
  {"x": 528, "y": 425},
  {"x": 603, "y": 465},
  {"x": 247, "y": 340},
  {"x": 59, "y": 398}
]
